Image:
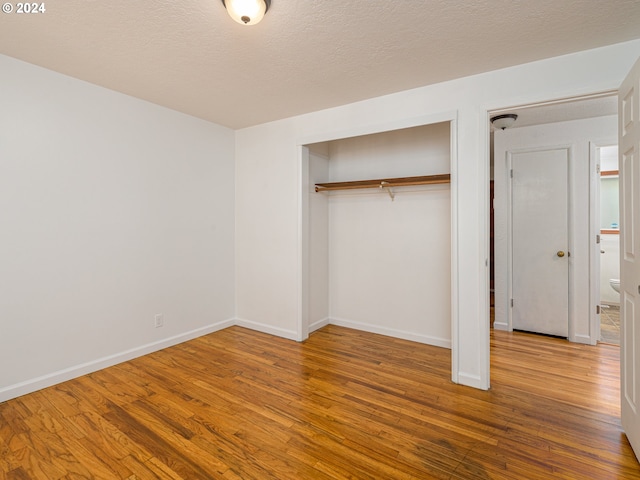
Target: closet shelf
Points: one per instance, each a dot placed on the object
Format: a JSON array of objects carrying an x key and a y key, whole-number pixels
[{"x": 385, "y": 182}]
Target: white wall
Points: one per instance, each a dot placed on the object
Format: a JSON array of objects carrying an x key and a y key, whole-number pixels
[
  {"x": 577, "y": 135},
  {"x": 609, "y": 202},
  {"x": 390, "y": 261},
  {"x": 268, "y": 187},
  {"x": 112, "y": 210},
  {"x": 609, "y": 157}
]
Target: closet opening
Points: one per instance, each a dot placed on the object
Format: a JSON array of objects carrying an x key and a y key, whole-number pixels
[{"x": 378, "y": 233}]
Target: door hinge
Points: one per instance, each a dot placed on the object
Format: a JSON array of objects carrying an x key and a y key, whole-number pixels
[
  {"x": 598, "y": 309},
  {"x": 597, "y": 239},
  {"x": 597, "y": 168},
  {"x": 511, "y": 173},
  {"x": 512, "y": 303}
]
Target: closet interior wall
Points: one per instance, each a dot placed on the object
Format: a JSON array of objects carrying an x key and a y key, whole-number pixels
[{"x": 379, "y": 264}]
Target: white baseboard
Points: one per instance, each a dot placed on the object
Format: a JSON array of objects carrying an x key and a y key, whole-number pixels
[
  {"x": 32, "y": 385},
  {"x": 501, "y": 326},
  {"x": 470, "y": 380},
  {"x": 261, "y": 327},
  {"x": 391, "y": 332},
  {"x": 319, "y": 324},
  {"x": 586, "y": 339}
]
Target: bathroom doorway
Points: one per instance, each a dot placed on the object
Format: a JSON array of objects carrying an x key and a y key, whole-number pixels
[{"x": 609, "y": 223}]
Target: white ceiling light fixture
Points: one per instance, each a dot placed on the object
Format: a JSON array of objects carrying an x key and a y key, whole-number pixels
[
  {"x": 504, "y": 121},
  {"x": 247, "y": 12}
]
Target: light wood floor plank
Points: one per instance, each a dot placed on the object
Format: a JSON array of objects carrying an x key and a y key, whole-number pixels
[{"x": 239, "y": 404}]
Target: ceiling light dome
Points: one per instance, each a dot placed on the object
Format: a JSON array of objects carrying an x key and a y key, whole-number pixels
[
  {"x": 247, "y": 12},
  {"x": 504, "y": 121}
]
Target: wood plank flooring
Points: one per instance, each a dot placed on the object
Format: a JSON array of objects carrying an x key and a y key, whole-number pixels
[{"x": 238, "y": 404}]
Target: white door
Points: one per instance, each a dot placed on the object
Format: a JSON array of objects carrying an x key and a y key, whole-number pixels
[
  {"x": 540, "y": 239},
  {"x": 629, "y": 152}
]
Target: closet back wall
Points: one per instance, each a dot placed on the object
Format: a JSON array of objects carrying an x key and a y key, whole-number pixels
[{"x": 390, "y": 261}]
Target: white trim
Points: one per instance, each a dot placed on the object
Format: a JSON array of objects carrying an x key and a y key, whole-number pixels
[
  {"x": 419, "y": 121},
  {"x": 319, "y": 324},
  {"x": 264, "y": 328},
  {"x": 501, "y": 326},
  {"x": 455, "y": 251},
  {"x": 557, "y": 101},
  {"x": 594, "y": 248},
  {"x": 586, "y": 339},
  {"x": 509, "y": 210},
  {"x": 50, "y": 379},
  {"x": 571, "y": 202},
  {"x": 471, "y": 380},
  {"x": 484, "y": 355},
  {"x": 302, "y": 268},
  {"x": 391, "y": 332}
]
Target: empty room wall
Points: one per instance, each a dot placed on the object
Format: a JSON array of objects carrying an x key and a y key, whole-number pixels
[{"x": 113, "y": 210}]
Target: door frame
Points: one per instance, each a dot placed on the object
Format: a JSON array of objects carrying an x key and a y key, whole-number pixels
[
  {"x": 303, "y": 254},
  {"x": 509, "y": 230},
  {"x": 594, "y": 231},
  {"x": 491, "y": 111}
]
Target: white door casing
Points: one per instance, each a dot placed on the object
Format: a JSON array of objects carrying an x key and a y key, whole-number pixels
[
  {"x": 540, "y": 240},
  {"x": 629, "y": 165},
  {"x": 595, "y": 239}
]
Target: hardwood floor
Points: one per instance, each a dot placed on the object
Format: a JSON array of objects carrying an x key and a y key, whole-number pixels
[{"x": 238, "y": 404}]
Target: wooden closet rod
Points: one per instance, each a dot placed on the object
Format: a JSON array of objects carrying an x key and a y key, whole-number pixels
[{"x": 385, "y": 182}]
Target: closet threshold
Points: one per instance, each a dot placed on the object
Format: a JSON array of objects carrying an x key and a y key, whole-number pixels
[{"x": 385, "y": 182}]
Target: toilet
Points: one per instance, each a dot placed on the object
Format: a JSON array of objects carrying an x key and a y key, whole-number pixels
[{"x": 615, "y": 284}]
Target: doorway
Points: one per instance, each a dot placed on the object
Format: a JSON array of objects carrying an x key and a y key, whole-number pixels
[
  {"x": 380, "y": 259},
  {"x": 608, "y": 210},
  {"x": 574, "y": 124}
]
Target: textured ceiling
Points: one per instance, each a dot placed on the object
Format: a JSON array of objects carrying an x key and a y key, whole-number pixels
[{"x": 306, "y": 55}]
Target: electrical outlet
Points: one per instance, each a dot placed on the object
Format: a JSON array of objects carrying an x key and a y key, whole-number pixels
[{"x": 158, "y": 320}]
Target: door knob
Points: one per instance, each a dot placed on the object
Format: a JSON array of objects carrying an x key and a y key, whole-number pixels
[{"x": 560, "y": 253}]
